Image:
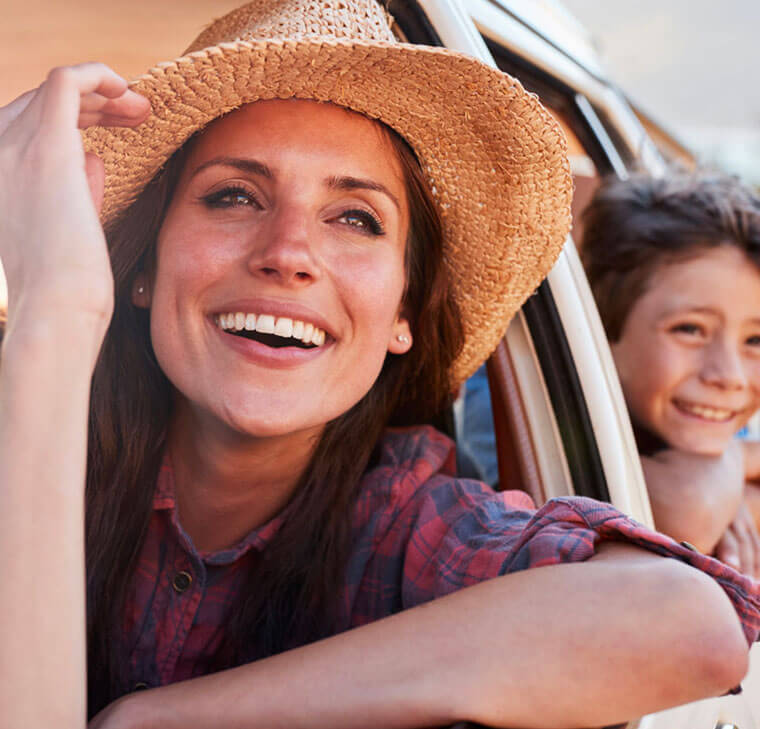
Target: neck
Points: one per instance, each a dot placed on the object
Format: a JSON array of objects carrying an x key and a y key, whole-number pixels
[{"x": 227, "y": 483}]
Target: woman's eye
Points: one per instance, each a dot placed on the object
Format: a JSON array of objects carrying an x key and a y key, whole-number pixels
[
  {"x": 362, "y": 220},
  {"x": 231, "y": 197},
  {"x": 754, "y": 340}
]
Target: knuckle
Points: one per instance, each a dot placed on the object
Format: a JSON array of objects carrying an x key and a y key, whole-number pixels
[{"x": 61, "y": 76}]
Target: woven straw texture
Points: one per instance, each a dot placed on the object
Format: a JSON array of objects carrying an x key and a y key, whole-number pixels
[{"x": 496, "y": 161}]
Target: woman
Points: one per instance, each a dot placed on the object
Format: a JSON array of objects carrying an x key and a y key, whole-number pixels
[{"x": 242, "y": 498}]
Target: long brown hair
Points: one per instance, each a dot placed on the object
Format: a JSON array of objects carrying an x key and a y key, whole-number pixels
[{"x": 289, "y": 596}]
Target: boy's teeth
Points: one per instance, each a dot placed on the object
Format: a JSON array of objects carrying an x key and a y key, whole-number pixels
[
  {"x": 707, "y": 413},
  {"x": 282, "y": 326}
]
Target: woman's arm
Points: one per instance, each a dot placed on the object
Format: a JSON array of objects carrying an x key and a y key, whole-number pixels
[
  {"x": 695, "y": 498},
  {"x": 60, "y": 298},
  {"x": 569, "y": 645}
]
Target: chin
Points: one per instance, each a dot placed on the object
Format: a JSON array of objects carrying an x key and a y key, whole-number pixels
[{"x": 699, "y": 443}]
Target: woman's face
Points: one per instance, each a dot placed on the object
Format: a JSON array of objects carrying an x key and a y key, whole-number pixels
[
  {"x": 280, "y": 267},
  {"x": 689, "y": 354}
]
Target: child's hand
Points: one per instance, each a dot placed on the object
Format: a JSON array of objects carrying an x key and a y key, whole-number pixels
[
  {"x": 740, "y": 544},
  {"x": 695, "y": 498}
]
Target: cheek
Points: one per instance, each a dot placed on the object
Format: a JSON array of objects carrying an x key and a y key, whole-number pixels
[
  {"x": 651, "y": 373},
  {"x": 372, "y": 287}
]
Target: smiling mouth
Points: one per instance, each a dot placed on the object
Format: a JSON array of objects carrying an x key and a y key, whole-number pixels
[
  {"x": 272, "y": 331},
  {"x": 705, "y": 412}
]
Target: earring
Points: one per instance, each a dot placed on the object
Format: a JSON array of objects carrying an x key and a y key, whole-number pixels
[
  {"x": 141, "y": 289},
  {"x": 403, "y": 338}
]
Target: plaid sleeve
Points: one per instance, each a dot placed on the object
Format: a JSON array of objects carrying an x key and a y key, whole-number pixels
[{"x": 460, "y": 532}]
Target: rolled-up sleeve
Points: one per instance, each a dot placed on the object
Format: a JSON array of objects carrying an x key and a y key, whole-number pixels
[{"x": 460, "y": 532}]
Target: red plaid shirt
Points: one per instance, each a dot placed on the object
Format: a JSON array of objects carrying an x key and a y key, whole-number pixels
[{"x": 419, "y": 533}]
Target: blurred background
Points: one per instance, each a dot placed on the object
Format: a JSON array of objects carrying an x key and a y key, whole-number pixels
[{"x": 687, "y": 64}]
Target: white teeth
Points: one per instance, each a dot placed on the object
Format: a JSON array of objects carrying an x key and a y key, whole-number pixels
[
  {"x": 707, "y": 413},
  {"x": 282, "y": 326},
  {"x": 265, "y": 324}
]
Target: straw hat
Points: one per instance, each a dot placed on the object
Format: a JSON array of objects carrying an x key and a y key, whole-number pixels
[{"x": 496, "y": 161}]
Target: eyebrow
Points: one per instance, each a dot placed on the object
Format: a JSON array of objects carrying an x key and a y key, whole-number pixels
[
  {"x": 356, "y": 183},
  {"x": 250, "y": 166}
]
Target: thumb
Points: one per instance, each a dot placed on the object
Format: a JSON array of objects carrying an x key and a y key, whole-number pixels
[{"x": 96, "y": 178}]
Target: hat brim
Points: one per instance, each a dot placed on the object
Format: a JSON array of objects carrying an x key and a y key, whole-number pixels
[{"x": 496, "y": 160}]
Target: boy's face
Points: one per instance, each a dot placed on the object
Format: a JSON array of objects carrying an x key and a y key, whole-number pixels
[{"x": 689, "y": 353}]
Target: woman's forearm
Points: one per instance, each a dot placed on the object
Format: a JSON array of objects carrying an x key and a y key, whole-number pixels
[
  {"x": 570, "y": 645},
  {"x": 44, "y": 390}
]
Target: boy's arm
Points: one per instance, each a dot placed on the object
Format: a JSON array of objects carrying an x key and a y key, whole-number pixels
[
  {"x": 751, "y": 459},
  {"x": 752, "y": 474},
  {"x": 695, "y": 498},
  {"x": 752, "y": 500}
]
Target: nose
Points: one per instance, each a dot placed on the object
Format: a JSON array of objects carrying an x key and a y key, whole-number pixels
[
  {"x": 284, "y": 250},
  {"x": 723, "y": 366}
]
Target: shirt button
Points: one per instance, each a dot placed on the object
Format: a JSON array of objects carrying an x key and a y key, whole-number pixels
[
  {"x": 182, "y": 580},
  {"x": 140, "y": 686}
]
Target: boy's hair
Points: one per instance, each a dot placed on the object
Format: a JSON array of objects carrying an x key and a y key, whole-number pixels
[{"x": 631, "y": 227}]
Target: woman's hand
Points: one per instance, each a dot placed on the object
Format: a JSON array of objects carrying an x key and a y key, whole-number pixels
[
  {"x": 51, "y": 242},
  {"x": 740, "y": 544}
]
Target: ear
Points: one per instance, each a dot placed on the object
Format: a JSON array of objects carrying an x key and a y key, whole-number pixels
[
  {"x": 141, "y": 291},
  {"x": 401, "y": 337}
]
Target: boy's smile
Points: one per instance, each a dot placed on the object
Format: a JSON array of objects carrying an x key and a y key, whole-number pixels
[{"x": 689, "y": 353}]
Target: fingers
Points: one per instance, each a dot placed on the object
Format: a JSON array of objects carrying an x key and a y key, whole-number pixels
[
  {"x": 127, "y": 110},
  {"x": 744, "y": 547},
  {"x": 739, "y": 546},
  {"x": 728, "y": 549},
  {"x": 749, "y": 541},
  {"x": 79, "y": 96},
  {"x": 92, "y": 93}
]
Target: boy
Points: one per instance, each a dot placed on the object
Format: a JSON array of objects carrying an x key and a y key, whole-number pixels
[{"x": 674, "y": 265}]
